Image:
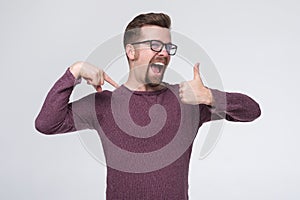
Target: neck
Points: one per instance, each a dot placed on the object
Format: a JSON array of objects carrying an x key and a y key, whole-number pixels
[{"x": 133, "y": 85}]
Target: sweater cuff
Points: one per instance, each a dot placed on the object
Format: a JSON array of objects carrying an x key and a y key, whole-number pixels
[
  {"x": 220, "y": 102},
  {"x": 71, "y": 77}
]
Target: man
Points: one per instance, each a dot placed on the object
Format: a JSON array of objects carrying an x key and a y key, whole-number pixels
[{"x": 147, "y": 127}]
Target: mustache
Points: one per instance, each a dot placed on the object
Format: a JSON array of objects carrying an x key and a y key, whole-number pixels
[{"x": 158, "y": 59}]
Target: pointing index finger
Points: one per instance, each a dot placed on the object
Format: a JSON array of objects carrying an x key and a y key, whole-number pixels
[{"x": 110, "y": 80}]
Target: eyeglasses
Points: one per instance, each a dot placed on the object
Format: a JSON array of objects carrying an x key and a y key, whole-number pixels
[{"x": 157, "y": 46}]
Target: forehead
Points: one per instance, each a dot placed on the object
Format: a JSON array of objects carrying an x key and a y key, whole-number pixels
[{"x": 155, "y": 33}]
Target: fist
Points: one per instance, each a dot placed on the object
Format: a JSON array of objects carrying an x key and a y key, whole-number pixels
[{"x": 194, "y": 92}]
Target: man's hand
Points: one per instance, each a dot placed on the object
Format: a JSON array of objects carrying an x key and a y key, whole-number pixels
[
  {"x": 194, "y": 92},
  {"x": 93, "y": 75}
]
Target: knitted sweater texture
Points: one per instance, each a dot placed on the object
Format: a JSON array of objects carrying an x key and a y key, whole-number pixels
[{"x": 147, "y": 137}]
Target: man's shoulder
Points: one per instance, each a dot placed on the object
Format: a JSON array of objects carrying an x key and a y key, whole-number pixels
[{"x": 172, "y": 86}]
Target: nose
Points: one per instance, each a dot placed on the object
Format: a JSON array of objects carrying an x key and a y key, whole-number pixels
[{"x": 163, "y": 52}]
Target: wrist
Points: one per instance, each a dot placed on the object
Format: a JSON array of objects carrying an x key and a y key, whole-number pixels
[
  {"x": 210, "y": 99},
  {"x": 75, "y": 69}
]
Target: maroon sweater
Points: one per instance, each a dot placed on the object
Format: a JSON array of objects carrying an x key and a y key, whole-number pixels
[{"x": 147, "y": 137}]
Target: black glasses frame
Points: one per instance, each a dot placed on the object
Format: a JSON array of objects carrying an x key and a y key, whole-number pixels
[{"x": 168, "y": 46}]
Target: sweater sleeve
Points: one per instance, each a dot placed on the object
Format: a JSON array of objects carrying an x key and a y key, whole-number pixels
[
  {"x": 57, "y": 115},
  {"x": 235, "y": 107}
]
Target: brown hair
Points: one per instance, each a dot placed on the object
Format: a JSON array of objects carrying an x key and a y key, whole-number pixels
[{"x": 132, "y": 31}]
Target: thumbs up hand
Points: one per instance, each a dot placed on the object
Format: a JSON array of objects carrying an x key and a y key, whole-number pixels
[{"x": 194, "y": 92}]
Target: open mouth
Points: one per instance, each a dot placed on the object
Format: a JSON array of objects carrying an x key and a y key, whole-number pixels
[{"x": 157, "y": 67}]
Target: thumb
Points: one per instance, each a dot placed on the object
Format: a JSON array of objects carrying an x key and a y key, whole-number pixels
[{"x": 196, "y": 71}]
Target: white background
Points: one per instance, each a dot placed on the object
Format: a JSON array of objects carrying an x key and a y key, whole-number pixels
[{"x": 254, "y": 45}]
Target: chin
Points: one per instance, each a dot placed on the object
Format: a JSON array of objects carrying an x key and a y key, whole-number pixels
[
  {"x": 153, "y": 82},
  {"x": 153, "y": 85}
]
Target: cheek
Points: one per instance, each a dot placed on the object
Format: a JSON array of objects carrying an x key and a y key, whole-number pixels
[
  {"x": 145, "y": 55},
  {"x": 136, "y": 55},
  {"x": 169, "y": 59}
]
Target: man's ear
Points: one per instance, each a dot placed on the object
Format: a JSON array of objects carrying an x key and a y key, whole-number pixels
[{"x": 130, "y": 51}]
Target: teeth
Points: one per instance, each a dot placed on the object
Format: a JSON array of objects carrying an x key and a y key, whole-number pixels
[{"x": 159, "y": 63}]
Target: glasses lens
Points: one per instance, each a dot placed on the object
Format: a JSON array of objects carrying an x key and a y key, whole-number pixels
[
  {"x": 171, "y": 49},
  {"x": 156, "y": 45}
]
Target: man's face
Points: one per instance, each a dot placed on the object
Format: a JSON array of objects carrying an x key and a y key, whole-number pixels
[{"x": 149, "y": 66}]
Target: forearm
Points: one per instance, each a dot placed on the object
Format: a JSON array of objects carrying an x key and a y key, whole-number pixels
[
  {"x": 56, "y": 113},
  {"x": 231, "y": 106}
]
